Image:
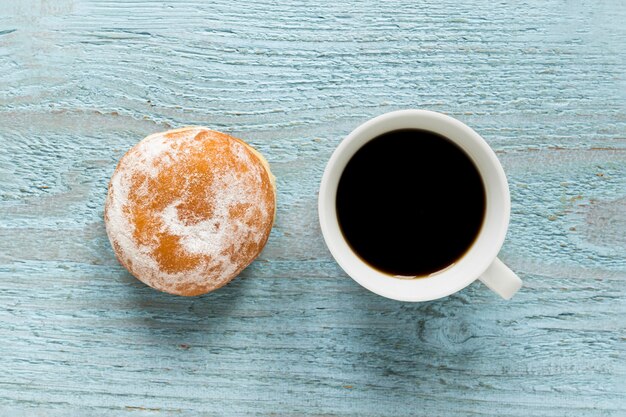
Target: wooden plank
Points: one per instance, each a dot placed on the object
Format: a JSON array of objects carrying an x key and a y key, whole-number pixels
[{"x": 81, "y": 82}]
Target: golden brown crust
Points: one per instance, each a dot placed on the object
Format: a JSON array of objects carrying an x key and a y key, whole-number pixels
[{"x": 187, "y": 210}]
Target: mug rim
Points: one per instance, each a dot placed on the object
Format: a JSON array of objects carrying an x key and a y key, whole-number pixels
[{"x": 486, "y": 245}]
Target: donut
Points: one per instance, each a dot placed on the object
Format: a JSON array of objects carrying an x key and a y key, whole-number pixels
[{"x": 187, "y": 210}]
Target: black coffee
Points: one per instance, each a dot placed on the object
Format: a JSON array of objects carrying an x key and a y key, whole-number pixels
[{"x": 410, "y": 202}]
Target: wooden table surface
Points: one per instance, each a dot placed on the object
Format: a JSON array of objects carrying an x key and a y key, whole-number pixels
[{"x": 82, "y": 81}]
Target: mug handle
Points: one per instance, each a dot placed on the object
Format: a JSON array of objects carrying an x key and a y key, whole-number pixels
[{"x": 501, "y": 280}]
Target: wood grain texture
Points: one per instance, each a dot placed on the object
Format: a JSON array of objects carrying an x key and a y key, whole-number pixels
[{"x": 81, "y": 82}]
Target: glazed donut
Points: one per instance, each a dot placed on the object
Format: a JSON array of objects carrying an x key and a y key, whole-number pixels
[{"x": 187, "y": 210}]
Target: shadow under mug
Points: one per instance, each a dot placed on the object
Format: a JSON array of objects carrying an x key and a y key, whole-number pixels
[{"x": 479, "y": 262}]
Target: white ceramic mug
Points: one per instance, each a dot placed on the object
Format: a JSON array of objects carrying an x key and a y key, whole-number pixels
[{"x": 479, "y": 262}]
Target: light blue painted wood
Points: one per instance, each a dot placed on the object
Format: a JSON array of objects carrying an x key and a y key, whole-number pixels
[{"x": 81, "y": 82}]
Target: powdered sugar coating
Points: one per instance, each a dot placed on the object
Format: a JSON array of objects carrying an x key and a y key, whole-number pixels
[{"x": 188, "y": 209}]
